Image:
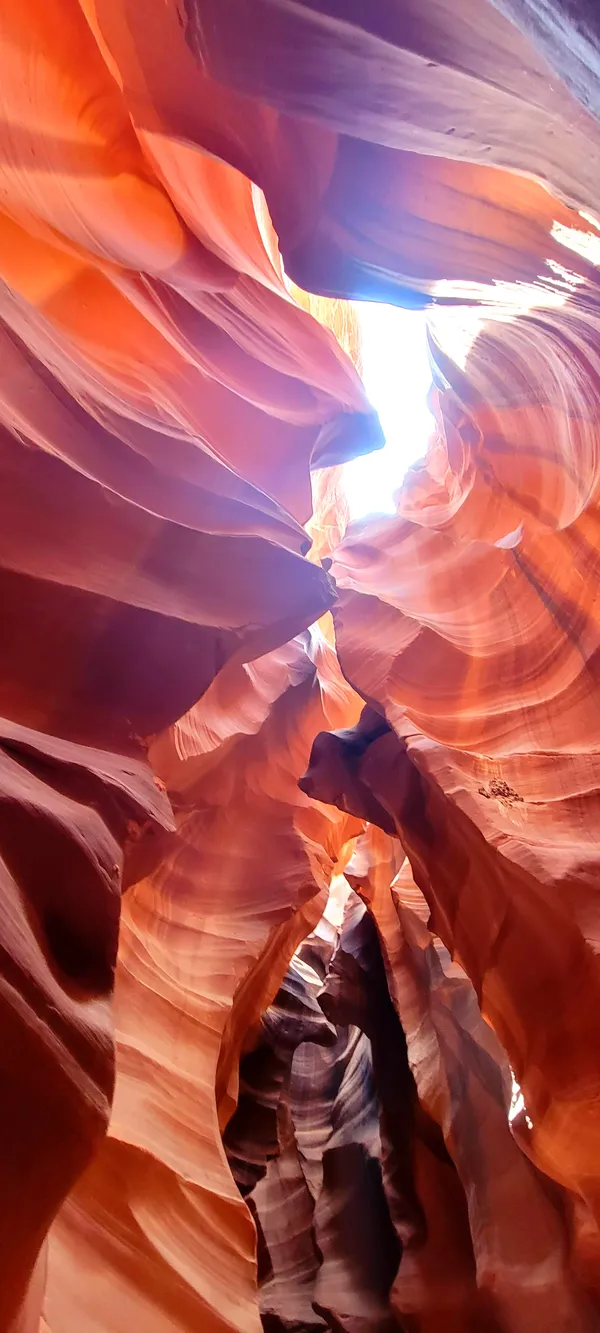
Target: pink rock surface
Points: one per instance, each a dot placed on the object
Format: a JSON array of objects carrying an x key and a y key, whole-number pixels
[{"x": 166, "y": 171}]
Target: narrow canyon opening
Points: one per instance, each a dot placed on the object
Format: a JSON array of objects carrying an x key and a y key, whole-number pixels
[{"x": 395, "y": 371}]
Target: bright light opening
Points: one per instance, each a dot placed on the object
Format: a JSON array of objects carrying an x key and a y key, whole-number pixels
[
  {"x": 517, "y": 1105},
  {"x": 397, "y": 378}
]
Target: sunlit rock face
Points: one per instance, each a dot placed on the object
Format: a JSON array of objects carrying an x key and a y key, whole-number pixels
[
  {"x": 157, "y": 1222},
  {"x": 75, "y": 825},
  {"x": 182, "y": 720},
  {"x": 488, "y": 683}
]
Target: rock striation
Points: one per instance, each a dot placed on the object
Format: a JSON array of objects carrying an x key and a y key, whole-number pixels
[{"x": 310, "y": 1124}]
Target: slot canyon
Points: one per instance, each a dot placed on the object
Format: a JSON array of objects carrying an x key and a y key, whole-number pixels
[{"x": 300, "y": 818}]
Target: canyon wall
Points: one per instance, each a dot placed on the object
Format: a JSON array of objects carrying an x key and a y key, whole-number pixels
[{"x": 189, "y": 192}]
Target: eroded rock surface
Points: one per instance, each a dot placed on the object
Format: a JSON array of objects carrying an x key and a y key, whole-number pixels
[{"x": 168, "y": 172}]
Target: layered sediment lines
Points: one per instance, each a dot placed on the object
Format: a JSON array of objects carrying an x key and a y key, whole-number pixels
[
  {"x": 204, "y": 944},
  {"x": 490, "y": 682},
  {"x": 468, "y": 622},
  {"x": 75, "y": 824},
  {"x": 164, "y": 398}
]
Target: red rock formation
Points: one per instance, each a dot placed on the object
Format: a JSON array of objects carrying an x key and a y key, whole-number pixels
[
  {"x": 157, "y": 380},
  {"x": 417, "y": 108},
  {"x": 156, "y": 377},
  {"x": 517, "y": 1273},
  {"x": 486, "y": 666},
  {"x": 328, "y": 1253},
  {"x": 163, "y": 399},
  {"x": 204, "y": 944},
  {"x": 485, "y": 928},
  {"x": 67, "y": 817}
]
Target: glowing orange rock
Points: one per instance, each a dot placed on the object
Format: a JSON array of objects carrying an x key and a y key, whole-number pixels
[
  {"x": 204, "y": 944},
  {"x": 484, "y": 660},
  {"x": 162, "y": 402},
  {"x": 515, "y": 1268},
  {"x": 67, "y": 816}
]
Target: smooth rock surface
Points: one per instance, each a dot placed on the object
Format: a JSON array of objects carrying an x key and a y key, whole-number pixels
[{"x": 168, "y": 172}]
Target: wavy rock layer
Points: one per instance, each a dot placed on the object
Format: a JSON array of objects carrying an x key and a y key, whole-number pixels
[
  {"x": 162, "y": 397},
  {"x": 328, "y": 1251},
  {"x": 509, "y": 1266},
  {"x": 487, "y": 666},
  {"x": 429, "y": 820},
  {"x": 157, "y": 1220},
  {"x": 68, "y": 816},
  {"x": 163, "y": 400}
]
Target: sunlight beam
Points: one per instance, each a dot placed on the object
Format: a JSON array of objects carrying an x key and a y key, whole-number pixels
[{"x": 397, "y": 378}]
